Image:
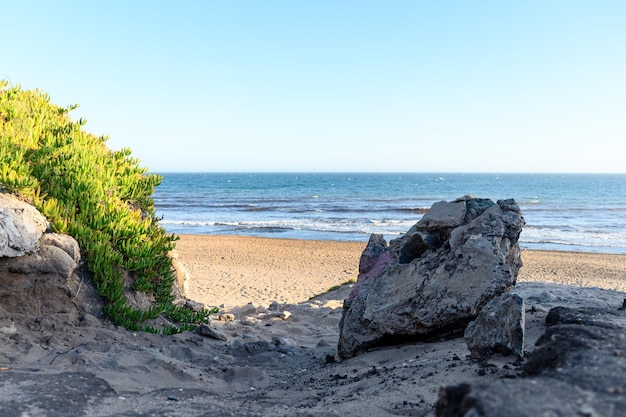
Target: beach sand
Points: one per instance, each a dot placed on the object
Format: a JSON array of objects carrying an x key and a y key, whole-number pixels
[
  {"x": 231, "y": 271},
  {"x": 273, "y": 363}
]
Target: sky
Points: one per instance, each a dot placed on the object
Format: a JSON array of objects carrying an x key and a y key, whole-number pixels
[{"x": 334, "y": 86}]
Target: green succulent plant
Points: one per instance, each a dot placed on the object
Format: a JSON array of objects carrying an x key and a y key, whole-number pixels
[{"x": 99, "y": 196}]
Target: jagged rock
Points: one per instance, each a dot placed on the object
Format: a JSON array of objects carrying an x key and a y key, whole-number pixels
[
  {"x": 499, "y": 328},
  {"x": 443, "y": 215},
  {"x": 413, "y": 248},
  {"x": 577, "y": 369},
  {"x": 373, "y": 261},
  {"x": 375, "y": 247},
  {"x": 427, "y": 287},
  {"x": 21, "y": 227}
]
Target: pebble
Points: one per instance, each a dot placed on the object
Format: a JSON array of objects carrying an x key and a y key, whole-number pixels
[
  {"x": 8, "y": 327},
  {"x": 545, "y": 297},
  {"x": 248, "y": 321},
  {"x": 194, "y": 306},
  {"x": 226, "y": 317},
  {"x": 274, "y": 306},
  {"x": 209, "y": 331}
]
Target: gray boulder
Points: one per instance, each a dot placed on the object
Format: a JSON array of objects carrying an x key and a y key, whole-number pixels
[
  {"x": 499, "y": 328},
  {"x": 437, "y": 277},
  {"x": 577, "y": 369},
  {"x": 21, "y": 227}
]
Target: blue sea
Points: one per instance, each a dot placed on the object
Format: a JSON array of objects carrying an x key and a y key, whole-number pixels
[{"x": 569, "y": 212}]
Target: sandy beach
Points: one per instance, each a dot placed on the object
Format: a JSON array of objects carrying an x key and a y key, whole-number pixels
[
  {"x": 232, "y": 271},
  {"x": 278, "y": 362}
]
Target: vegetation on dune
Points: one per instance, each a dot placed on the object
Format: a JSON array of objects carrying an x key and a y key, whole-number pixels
[{"x": 100, "y": 197}]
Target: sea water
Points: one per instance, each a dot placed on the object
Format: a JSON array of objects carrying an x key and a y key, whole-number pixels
[{"x": 562, "y": 211}]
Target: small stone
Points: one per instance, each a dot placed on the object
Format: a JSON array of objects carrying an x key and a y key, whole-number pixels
[
  {"x": 194, "y": 306},
  {"x": 284, "y": 349},
  {"x": 209, "y": 331},
  {"x": 285, "y": 315},
  {"x": 545, "y": 297},
  {"x": 249, "y": 321},
  {"x": 248, "y": 309},
  {"x": 499, "y": 328},
  {"x": 274, "y": 306},
  {"x": 7, "y": 326},
  {"x": 283, "y": 341},
  {"x": 259, "y": 346}
]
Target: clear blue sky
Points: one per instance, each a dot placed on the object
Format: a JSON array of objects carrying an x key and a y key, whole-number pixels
[{"x": 424, "y": 86}]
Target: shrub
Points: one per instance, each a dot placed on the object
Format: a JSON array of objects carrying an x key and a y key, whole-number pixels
[{"x": 100, "y": 197}]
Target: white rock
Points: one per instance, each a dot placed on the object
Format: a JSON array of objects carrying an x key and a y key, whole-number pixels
[{"x": 21, "y": 227}]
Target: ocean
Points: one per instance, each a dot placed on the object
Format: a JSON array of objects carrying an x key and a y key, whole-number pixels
[{"x": 568, "y": 212}]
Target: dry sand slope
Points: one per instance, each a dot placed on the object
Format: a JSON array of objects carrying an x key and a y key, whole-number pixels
[{"x": 73, "y": 364}]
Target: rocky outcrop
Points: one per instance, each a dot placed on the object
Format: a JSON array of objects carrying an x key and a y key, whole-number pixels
[
  {"x": 499, "y": 328},
  {"x": 21, "y": 226},
  {"x": 41, "y": 273},
  {"x": 435, "y": 279},
  {"x": 43, "y": 281},
  {"x": 577, "y": 369}
]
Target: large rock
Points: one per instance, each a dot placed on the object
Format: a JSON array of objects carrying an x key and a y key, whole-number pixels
[
  {"x": 436, "y": 278},
  {"x": 21, "y": 227},
  {"x": 577, "y": 369}
]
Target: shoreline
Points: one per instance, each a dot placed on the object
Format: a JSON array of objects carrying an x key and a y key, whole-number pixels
[
  {"x": 293, "y": 239},
  {"x": 228, "y": 271}
]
